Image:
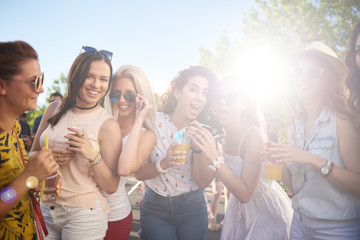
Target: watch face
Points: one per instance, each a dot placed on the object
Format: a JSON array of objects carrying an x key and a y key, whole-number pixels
[
  {"x": 216, "y": 164},
  {"x": 32, "y": 182},
  {"x": 324, "y": 170}
]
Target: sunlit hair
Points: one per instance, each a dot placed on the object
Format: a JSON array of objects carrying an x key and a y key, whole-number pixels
[
  {"x": 353, "y": 78},
  {"x": 168, "y": 100},
  {"x": 250, "y": 111},
  {"x": 142, "y": 87},
  {"x": 334, "y": 93},
  {"x": 12, "y": 56},
  {"x": 76, "y": 78}
]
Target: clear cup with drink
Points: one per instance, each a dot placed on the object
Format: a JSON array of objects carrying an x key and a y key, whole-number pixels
[
  {"x": 52, "y": 186},
  {"x": 273, "y": 171},
  {"x": 182, "y": 144}
]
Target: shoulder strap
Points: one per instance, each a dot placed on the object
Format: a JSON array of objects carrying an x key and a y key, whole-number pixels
[{"x": 243, "y": 137}]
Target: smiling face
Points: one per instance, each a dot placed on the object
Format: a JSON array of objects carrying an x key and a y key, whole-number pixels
[
  {"x": 124, "y": 108},
  {"x": 21, "y": 95},
  {"x": 309, "y": 81},
  {"x": 95, "y": 84},
  {"x": 192, "y": 98}
]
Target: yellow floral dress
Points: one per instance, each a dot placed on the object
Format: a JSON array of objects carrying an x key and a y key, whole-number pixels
[{"x": 19, "y": 222}]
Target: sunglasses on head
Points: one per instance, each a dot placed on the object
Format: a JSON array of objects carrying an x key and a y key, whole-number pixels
[
  {"x": 310, "y": 72},
  {"x": 105, "y": 53},
  {"x": 38, "y": 81},
  {"x": 128, "y": 96}
]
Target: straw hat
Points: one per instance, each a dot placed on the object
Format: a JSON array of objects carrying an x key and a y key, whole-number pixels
[{"x": 320, "y": 49}]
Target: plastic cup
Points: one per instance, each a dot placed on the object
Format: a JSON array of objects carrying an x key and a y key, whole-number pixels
[
  {"x": 182, "y": 147},
  {"x": 52, "y": 188},
  {"x": 273, "y": 171}
]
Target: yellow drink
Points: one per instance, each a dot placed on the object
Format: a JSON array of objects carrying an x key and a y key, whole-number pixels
[
  {"x": 273, "y": 171},
  {"x": 182, "y": 147}
]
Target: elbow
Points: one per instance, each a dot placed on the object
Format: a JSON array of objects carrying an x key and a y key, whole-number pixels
[{"x": 124, "y": 172}]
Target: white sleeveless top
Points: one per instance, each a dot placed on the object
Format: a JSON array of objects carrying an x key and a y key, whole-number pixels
[
  {"x": 79, "y": 188},
  {"x": 267, "y": 215}
]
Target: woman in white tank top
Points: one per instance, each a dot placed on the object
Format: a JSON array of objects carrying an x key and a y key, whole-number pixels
[
  {"x": 131, "y": 102},
  {"x": 258, "y": 208}
]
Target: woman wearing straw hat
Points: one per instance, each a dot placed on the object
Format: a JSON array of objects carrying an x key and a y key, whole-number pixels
[{"x": 323, "y": 169}]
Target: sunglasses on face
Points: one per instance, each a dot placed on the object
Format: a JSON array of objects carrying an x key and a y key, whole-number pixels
[
  {"x": 228, "y": 97},
  {"x": 128, "y": 96},
  {"x": 38, "y": 82},
  {"x": 105, "y": 53},
  {"x": 310, "y": 72}
]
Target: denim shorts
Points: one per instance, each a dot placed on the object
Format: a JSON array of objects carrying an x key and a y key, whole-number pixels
[{"x": 173, "y": 218}]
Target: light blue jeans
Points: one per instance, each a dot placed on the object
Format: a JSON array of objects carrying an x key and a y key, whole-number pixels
[
  {"x": 304, "y": 228},
  {"x": 183, "y": 217}
]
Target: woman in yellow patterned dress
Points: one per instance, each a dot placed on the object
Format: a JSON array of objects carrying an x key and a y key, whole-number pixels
[{"x": 20, "y": 85}]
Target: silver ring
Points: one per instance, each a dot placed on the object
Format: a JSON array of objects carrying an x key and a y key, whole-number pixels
[{"x": 82, "y": 135}]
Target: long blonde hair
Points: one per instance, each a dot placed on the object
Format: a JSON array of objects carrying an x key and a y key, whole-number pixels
[{"x": 142, "y": 86}]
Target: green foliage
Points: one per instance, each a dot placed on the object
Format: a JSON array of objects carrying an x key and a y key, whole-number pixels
[
  {"x": 286, "y": 26},
  {"x": 59, "y": 85}
]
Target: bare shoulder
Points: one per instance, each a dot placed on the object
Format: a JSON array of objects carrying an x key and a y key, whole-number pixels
[
  {"x": 51, "y": 109},
  {"x": 254, "y": 141},
  {"x": 110, "y": 125}
]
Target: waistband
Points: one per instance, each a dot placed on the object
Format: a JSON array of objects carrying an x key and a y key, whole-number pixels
[{"x": 182, "y": 196}]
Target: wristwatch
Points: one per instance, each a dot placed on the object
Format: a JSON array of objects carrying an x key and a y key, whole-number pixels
[
  {"x": 327, "y": 168},
  {"x": 32, "y": 182},
  {"x": 217, "y": 163}
]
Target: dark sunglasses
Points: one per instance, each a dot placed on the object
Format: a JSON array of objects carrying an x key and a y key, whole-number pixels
[
  {"x": 128, "y": 96},
  {"x": 230, "y": 97},
  {"x": 310, "y": 72},
  {"x": 38, "y": 81},
  {"x": 106, "y": 53}
]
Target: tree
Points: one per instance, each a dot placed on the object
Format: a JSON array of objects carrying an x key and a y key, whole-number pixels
[{"x": 59, "y": 85}]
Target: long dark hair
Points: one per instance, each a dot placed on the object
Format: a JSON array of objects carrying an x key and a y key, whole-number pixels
[
  {"x": 168, "y": 100},
  {"x": 77, "y": 75},
  {"x": 353, "y": 78}
]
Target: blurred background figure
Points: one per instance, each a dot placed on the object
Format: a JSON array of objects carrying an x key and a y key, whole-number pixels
[
  {"x": 352, "y": 60},
  {"x": 25, "y": 131}
]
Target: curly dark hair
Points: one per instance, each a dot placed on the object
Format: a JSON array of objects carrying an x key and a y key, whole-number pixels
[
  {"x": 168, "y": 100},
  {"x": 353, "y": 78}
]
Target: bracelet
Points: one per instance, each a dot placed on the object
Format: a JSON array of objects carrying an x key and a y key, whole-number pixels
[
  {"x": 197, "y": 151},
  {"x": 97, "y": 162},
  {"x": 158, "y": 167}
]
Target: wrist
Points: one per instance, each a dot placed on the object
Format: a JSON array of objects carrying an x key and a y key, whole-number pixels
[{"x": 159, "y": 168}]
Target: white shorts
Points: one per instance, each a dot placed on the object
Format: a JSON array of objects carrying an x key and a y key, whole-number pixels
[
  {"x": 74, "y": 223},
  {"x": 304, "y": 228}
]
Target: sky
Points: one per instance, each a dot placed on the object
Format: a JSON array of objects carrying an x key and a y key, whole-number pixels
[{"x": 160, "y": 37}]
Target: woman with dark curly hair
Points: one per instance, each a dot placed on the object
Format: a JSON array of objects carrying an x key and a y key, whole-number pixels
[{"x": 174, "y": 205}]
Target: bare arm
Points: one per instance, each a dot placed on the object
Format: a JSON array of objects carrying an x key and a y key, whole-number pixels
[
  {"x": 110, "y": 144},
  {"x": 243, "y": 187},
  {"x": 40, "y": 165},
  {"x": 348, "y": 178},
  {"x": 136, "y": 150}
]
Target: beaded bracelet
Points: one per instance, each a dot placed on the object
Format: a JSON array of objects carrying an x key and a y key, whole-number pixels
[
  {"x": 97, "y": 162},
  {"x": 159, "y": 168}
]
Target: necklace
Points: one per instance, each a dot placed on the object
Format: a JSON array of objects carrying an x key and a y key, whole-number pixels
[{"x": 86, "y": 108}]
